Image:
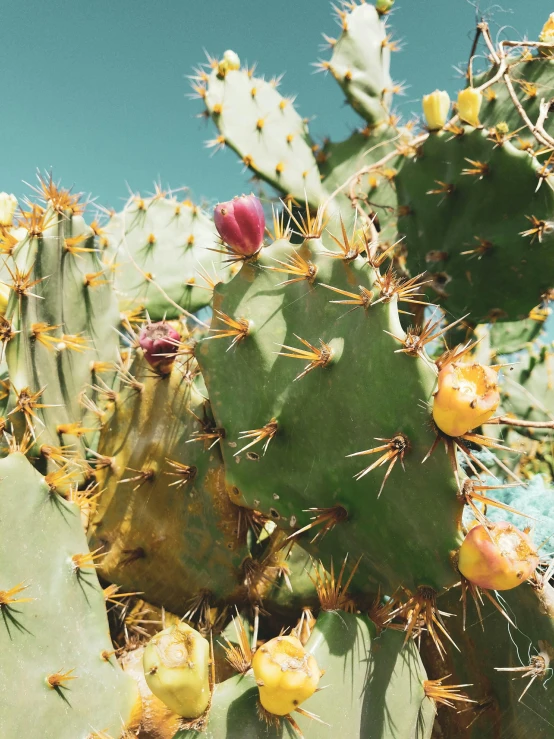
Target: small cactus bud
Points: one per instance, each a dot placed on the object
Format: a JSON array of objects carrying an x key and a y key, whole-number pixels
[
  {"x": 231, "y": 58},
  {"x": 547, "y": 34},
  {"x": 497, "y": 557},
  {"x": 469, "y": 104},
  {"x": 229, "y": 63},
  {"x": 435, "y": 109},
  {"x": 383, "y": 6},
  {"x": 467, "y": 397},
  {"x": 286, "y": 674},
  {"x": 241, "y": 224},
  {"x": 176, "y": 667},
  {"x": 8, "y": 204},
  {"x": 159, "y": 342}
]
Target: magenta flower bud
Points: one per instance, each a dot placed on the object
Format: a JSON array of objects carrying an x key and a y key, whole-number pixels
[
  {"x": 159, "y": 343},
  {"x": 241, "y": 224}
]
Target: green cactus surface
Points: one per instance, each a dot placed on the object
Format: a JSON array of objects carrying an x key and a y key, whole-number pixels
[
  {"x": 162, "y": 242},
  {"x": 54, "y": 636}
]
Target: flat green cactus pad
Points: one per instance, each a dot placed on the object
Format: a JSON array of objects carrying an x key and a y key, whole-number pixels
[{"x": 62, "y": 628}]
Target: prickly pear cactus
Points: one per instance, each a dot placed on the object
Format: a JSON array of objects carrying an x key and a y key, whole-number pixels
[
  {"x": 58, "y": 328},
  {"x": 54, "y": 633},
  {"x": 298, "y": 362},
  {"x": 273, "y": 141},
  {"x": 167, "y": 254},
  {"x": 165, "y": 521},
  {"x": 379, "y": 687},
  {"x": 447, "y": 193},
  {"x": 308, "y": 423}
]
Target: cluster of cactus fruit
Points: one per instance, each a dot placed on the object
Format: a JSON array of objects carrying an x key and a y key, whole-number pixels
[{"x": 185, "y": 399}]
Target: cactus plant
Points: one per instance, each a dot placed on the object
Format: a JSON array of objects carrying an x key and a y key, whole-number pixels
[
  {"x": 54, "y": 632},
  {"x": 306, "y": 423},
  {"x": 147, "y": 467},
  {"x": 58, "y": 328},
  {"x": 167, "y": 254}
]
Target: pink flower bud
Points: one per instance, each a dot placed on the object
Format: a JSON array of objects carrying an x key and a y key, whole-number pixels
[
  {"x": 159, "y": 343},
  {"x": 241, "y": 224}
]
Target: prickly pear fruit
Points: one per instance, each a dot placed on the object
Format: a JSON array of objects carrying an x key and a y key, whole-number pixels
[
  {"x": 383, "y": 6},
  {"x": 241, "y": 224},
  {"x": 467, "y": 397},
  {"x": 176, "y": 667},
  {"x": 497, "y": 556},
  {"x": 435, "y": 109},
  {"x": 159, "y": 343},
  {"x": 230, "y": 61},
  {"x": 469, "y": 104},
  {"x": 547, "y": 33},
  {"x": 157, "y": 720},
  {"x": 286, "y": 674},
  {"x": 8, "y": 204}
]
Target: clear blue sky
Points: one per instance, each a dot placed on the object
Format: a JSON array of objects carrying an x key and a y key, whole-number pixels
[{"x": 96, "y": 89}]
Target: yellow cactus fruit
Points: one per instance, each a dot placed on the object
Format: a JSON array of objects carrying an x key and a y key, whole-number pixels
[
  {"x": 4, "y": 298},
  {"x": 8, "y": 204},
  {"x": 547, "y": 34},
  {"x": 286, "y": 674},
  {"x": 497, "y": 557},
  {"x": 469, "y": 105},
  {"x": 435, "y": 109},
  {"x": 156, "y": 720},
  {"x": 230, "y": 62},
  {"x": 467, "y": 397},
  {"x": 176, "y": 667}
]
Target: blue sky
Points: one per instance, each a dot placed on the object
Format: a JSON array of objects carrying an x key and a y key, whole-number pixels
[{"x": 96, "y": 89}]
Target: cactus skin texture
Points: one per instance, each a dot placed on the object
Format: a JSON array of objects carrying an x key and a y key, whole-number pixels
[
  {"x": 62, "y": 311},
  {"x": 448, "y": 193},
  {"x": 360, "y": 63},
  {"x": 196, "y": 549},
  {"x": 56, "y": 625},
  {"x": 306, "y": 460},
  {"x": 163, "y": 241}
]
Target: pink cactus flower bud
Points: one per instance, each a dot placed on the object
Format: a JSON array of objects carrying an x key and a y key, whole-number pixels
[
  {"x": 159, "y": 343},
  {"x": 241, "y": 224}
]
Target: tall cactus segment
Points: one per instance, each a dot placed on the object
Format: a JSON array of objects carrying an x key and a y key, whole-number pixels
[
  {"x": 56, "y": 650},
  {"x": 446, "y": 194},
  {"x": 378, "y": 690},
  {"x": 361, "y": 60},
  {"x": 162, "y": 242},
  {"x": 351, "y": 376},
  {"x": 58, "y": 326},
  {"x": 164, "y": 520}
]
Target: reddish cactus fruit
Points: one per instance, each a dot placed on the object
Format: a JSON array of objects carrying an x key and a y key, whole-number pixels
[
  {"x": 241, "y": 224},
  {"x": 159, "y": 343},
  {"x": 497, "y": 557}
]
